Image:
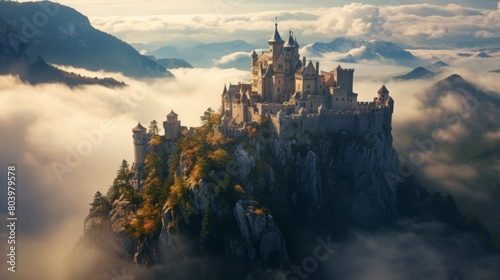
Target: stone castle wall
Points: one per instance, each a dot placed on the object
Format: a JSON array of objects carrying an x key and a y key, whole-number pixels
[{"x": 286, "y": 126}]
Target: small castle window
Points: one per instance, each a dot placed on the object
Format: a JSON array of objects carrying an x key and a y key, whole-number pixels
[{"x": 342, "y": 99}]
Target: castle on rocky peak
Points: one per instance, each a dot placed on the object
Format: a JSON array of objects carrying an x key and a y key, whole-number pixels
[
  {"x": 292, "y": 93},
  {"x": 297, "y": 97}
]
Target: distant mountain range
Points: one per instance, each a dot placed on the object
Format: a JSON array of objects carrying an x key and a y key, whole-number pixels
[
  {"x": 365, "y": 50},
  {"x": 171, "y": 63},
  {"x": 438, "y": 66},
  {"x": 417, "y": 73},
  {"x": 64, "y": 36},
  {"x": 495, "y": 71},
  {"x": 348, "y": 59},
  {"x": 233, "y": 54},
  {"x": 19, "y": 58},
  {"x": 206, "y": 55},
  {"x": 427, "y": 72}
]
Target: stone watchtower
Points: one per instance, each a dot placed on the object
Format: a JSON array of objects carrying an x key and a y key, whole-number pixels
[
  {"x": 141, "y": 140},
  {"x": 172, "y": 126}
]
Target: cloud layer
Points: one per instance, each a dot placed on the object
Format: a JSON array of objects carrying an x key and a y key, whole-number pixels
[
  {"x": 47, "y": 124},
  {"x": 416, "y": 24}
]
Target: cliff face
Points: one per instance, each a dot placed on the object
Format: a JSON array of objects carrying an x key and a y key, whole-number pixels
[
  {"x": 307, "y": 174},
  {"x": 245, "y": 209},
  {"x": 366, "y": 163},
  {"x": 372, "y": 163}
]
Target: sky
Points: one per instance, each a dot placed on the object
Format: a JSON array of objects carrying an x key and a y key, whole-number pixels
[
  {"x": 173, "y": 7},
  {"x": 413, "y": 23}
]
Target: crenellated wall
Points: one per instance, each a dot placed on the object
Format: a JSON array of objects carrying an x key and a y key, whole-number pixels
[{"x": 286, "y": 126}]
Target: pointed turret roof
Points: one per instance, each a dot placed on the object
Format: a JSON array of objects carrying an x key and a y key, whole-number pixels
[
  {"x": 296, "y": 43},
  {"x": 290, "y": 43},
  {"x": 269, "y": 72},
  {"x": 138, "y": 127},
  {"x": 276, "y": 36},
  {"x": 254, "y": 54},
  {"x": 225, "y": 90},
  {"x": 172, "y": 114},
  {"x": 383, "y": 90}
]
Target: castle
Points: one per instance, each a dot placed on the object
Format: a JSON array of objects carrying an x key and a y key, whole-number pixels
[
  {"x": 294, "y": 94},
  {"x": 141, "y": 137},
  {"x": 297, "y": 97}
]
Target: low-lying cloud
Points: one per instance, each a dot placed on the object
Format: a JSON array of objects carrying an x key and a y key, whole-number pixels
[{"x": 46, "y": 124}]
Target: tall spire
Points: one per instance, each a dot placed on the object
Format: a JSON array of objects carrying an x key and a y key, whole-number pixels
[
  {"x": 276, "y": 36},
  {"x": 290, "y": 43}
]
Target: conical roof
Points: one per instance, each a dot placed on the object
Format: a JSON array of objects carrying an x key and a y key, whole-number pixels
[
  {"x": 172, "y": 114},
  {"x": 269, "y": 72},
  {"x": 290, "y": 43},
  {"x": 139, "y": 127},
  {"x": 383, "y": 90},
  {"x": 276, "y": 35}
]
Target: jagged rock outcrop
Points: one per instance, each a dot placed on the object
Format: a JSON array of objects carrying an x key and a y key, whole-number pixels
[
  {"x": 368, "y": 162},
  {"x": 200, "y": 194},
  {"x": 309, "y": 180},
  {"x": 120, "y": 216},
  {"x": 261, "y": 240},
  {"x": 167, "y": 238},
  {"x": 241, "y": 164},
  {"x": 372, "y": 164}
]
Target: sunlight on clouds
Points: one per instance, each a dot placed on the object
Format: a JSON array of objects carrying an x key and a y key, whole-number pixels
[
  {"x": 419, "y": 24},
  {"x": 232, "y": 57}
]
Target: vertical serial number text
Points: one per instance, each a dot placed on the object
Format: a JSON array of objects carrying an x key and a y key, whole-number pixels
[{"x": 11, "y": 218}]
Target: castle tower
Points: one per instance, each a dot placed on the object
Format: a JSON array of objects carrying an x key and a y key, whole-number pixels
[
  {"x": 141, "y": 140},
  {"x": 383, "y": 95},
  {"x": 344, "y": 78},
  {"x": 275, "y": 43},
  {"x": 172, "y": 126},
  {"x": 224, "y": 99},
  {"x": 296, "y": 50},
  {"x": 254, "y": 58}
]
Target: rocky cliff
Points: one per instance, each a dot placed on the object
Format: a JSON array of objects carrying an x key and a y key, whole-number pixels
[{"x": 241, "y": 198}]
